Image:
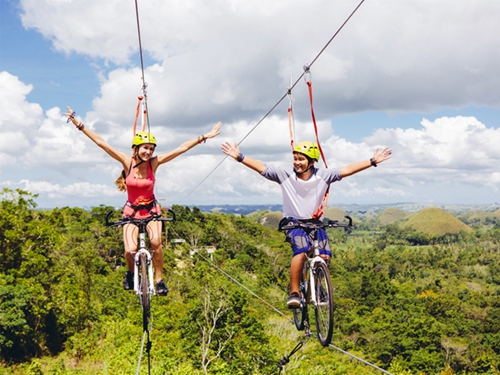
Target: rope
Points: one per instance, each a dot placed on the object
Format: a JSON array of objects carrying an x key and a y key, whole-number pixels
[
  {"x": 146, "y": 333},
  {"x": 291, "y": 116},
  {"x": 285, "y": 360},
  {"x": 283, "y": 97},
  {"x": 244, "y": 287},
  {"x": 360, "y": 360},
  {"x": 144, "y": 84},
  {"x": 307, "y": 72}
]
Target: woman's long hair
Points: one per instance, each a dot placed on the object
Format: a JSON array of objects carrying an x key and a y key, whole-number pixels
[{"x": 120, "y": 181}]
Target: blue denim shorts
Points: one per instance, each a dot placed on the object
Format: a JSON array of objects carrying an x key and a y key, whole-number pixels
[{"x": 301, "y": 240}]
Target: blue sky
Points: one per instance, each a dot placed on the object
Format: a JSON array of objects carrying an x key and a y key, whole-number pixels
[{"x": 418, "y": 76}]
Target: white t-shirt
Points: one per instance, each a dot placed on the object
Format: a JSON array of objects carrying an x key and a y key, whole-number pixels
[{"x": 301, "y": 199}]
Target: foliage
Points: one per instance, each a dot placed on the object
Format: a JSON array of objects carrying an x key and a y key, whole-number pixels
[{"x": 410, "y": 302}]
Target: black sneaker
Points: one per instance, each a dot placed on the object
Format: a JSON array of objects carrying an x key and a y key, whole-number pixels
[
  {"x": 161, "y": 288},
  {"x": 293, "y": 301},
  {"x": 128, "y": 281}
]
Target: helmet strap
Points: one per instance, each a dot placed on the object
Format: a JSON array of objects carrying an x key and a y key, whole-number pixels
[
  {"x": 136, "y": 149},
  {"x": 309, "y": 166},
  {"x": 141, "y": 161}
]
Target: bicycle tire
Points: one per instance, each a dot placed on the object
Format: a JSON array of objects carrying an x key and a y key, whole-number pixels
[
  {"x": 323, "y": 306},
  {"x": 144, "y": 292},
  {"x": 300, "y": 314}
]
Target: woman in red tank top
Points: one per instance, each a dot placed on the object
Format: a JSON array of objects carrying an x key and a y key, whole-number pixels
[{"x": 138, "y": 179}]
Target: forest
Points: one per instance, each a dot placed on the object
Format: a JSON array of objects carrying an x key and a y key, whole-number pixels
[{"x": 408, "y": 300}]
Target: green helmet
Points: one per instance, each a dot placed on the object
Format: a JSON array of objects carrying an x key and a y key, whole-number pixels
[
  {"x": 143, "y": 137},
  {"x": 309, "y": 149}
]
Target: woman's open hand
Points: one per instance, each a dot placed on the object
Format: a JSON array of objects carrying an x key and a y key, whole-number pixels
[
  {"x": 230, "y": 150},
  {"x": 382, "y": 155},
  {"x": 214, "y": 132}
]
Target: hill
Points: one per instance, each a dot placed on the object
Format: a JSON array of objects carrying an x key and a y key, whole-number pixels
[
  {"x": 435, "y": 221},
  {"x": 339, "y": 214},
  {"x": 268, "y": 219},
  {"x": 391, "y": 215},
  {"x": 480, "y": 217}
]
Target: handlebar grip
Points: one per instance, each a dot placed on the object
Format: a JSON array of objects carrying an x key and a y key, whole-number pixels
[
  {"x": 107, "y": 218},
  {"x": 350, "y": 220},
  {"x": 173, "y": 218}
]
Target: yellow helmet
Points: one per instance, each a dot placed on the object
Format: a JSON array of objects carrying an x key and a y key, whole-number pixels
[
  {"x": 309, "y": 149},
  {"x": 143, "y": 137}
]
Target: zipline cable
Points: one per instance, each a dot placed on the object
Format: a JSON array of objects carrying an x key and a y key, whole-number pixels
[
  {"x": 360, "y": 359},
  {"x": 148, "y": 348},
  {"x": 290, "y": 320},
  {"x": 281, "y": 99},
  {"x": 244, "y": 287},
  {"x": 144, "y": 84}
]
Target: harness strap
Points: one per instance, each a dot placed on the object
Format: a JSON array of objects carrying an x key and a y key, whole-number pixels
[
  {"x": 137, "y": 114},
  {"x": 144, "y": 115},
  {"x": 309, "y": 85},
  {"x": 324, "y": 203},
  {"x": 142, "y": 206},
  {"x": 290, "y": 117}
]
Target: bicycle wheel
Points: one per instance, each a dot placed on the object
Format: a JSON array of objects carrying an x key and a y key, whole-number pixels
[
  {"x": 144, "y": 292},
  {"x": 300, "y": 314},
  {"x": 323, "y": 306}
]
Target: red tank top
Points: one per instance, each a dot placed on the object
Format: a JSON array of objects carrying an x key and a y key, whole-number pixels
[{"x": 140, "y": 192}]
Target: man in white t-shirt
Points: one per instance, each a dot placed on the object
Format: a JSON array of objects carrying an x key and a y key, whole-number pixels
[{"x": 303, "y": 188}]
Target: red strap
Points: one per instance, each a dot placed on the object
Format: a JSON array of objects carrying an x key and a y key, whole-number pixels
[
  {"x": 144, "y": 121},
  {"x": 290, "y": 126},
  {"x": 322, "y": 207},
  {"x": 137, "y": 114},
  {"x": 324, "y": 203},
  {"x": 309, "y": 85}
]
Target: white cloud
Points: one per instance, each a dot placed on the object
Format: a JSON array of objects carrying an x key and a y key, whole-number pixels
[{"x": 231, "y": 61}]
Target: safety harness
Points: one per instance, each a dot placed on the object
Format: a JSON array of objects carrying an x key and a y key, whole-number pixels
[{"x": 307, "y": 78}]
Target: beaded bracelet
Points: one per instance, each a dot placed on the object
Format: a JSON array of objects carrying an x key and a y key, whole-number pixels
[{"x": 71, "y": 117}]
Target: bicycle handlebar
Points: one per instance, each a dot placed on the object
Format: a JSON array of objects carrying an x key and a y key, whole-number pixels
[
  {"x": 318, "y": 225},
  {"x": 128, "y": 220}
]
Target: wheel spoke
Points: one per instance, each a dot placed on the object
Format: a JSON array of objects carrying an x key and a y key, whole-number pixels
[{"x": 323, "y": 304}]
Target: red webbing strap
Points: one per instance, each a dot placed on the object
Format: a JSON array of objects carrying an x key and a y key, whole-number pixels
[
  {"x": 290, "y": 118},
  {"x": 309, "y": 85},
  {"x": 137, "y": 114},
  {"x": 324, "y": 203},
  {"x": 290, "y": 126},
  {"x": 144, "y": 121},
  {"x": 322, "y": 207}
]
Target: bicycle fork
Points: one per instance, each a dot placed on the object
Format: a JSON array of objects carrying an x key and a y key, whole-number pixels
[
  {"x": 312, "y": 271},
  {"x": 149, "y": 259}
]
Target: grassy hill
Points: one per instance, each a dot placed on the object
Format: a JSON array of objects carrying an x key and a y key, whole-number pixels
[
  {"x": 391, "y": 215},
  {"x": 335, "y": 213},
  {"x": 435, "y": 221},
  {"x": 268, "y": 219},
  {"x": 480, "y": 217}
]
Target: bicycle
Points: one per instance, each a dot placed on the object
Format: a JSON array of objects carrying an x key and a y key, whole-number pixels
[
  {"x": 315, "y": 286},
  {"x": 143, "y": 262}
]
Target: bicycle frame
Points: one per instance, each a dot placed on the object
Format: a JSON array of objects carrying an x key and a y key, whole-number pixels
[
  {"x": 316, "y": 258},
  {"x": 315, "y": 285},
  {"x": 149, "y": 262},
  {"x": 142, "y": 249}
]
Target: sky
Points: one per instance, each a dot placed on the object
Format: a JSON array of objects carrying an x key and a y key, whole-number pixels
[{"x": 418, "y": 76}]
